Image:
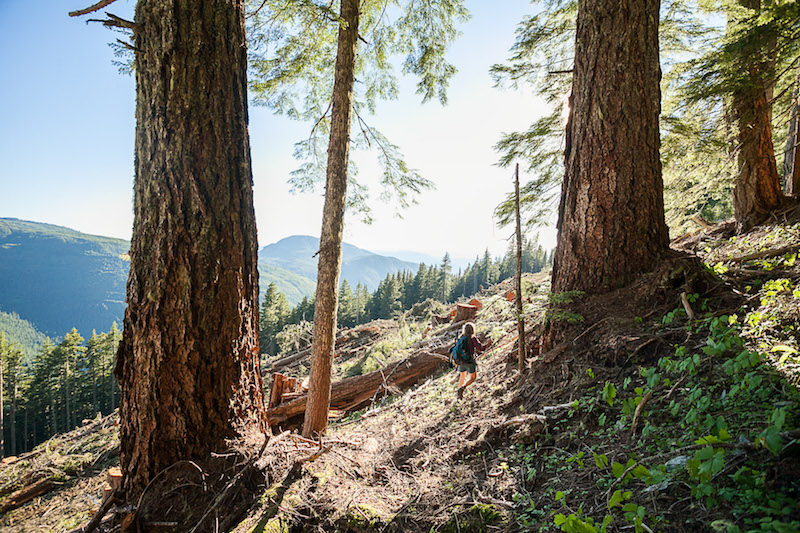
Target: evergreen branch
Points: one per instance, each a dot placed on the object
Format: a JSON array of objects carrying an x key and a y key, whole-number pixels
[
  {"x": 779, "y": 76},
  {"x": 259, "y": 8},
  {"x": 320, "y": 119},
  {"x": 128, "y": 45}
]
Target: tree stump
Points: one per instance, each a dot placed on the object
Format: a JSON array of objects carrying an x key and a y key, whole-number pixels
[{"x": 465, "y": 312}]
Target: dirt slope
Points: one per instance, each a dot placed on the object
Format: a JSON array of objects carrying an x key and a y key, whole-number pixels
[{"x": 643, "y": 420}]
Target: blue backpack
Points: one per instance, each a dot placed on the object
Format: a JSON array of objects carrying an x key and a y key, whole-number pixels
[{"x": 459, "y": 352}]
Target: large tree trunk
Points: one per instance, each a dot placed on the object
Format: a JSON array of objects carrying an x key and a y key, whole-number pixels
[
  {"x": 791, "y": 162},
  {"x": 187, "y": 364},
  {"x": 757, "y": 192},
  {"x": 330, "y": 245},
  {"x": 611, "y": 218}
]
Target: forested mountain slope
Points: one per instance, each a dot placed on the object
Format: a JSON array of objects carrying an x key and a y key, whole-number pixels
[
  {"x": 673, "y": 406},
  {"x": 21, "y": 332},
  {"x": 57, "y": 278}
]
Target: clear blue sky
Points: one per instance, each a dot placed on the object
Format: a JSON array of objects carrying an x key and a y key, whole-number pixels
[{"x": 67, "y": 135}]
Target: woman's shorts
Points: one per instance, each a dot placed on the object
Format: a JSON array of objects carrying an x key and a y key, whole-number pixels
[{"x": 470, "y": 368}]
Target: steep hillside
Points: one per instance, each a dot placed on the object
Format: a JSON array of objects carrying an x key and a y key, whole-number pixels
[
  {"x": 57, "y": 278},
  {"x": 672, "y": 406},
  {"x": 294, "y": 286},
  {"x": 21, "y": 332}
]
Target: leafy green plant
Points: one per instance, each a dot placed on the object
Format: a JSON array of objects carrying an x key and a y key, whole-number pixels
[
  {"x": 566, "y": 297},
  {"x": 609, "y": 393}
]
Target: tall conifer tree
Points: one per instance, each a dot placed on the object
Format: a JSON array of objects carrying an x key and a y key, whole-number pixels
[
  {"x": 611, "y": 217},
  {"x": 188, "y": 361}
]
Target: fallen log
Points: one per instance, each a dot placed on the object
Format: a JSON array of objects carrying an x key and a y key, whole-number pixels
[
  {"x": 28, "y": 479},
  {"x": 26, "y": 494},
  {"x": 288, "y": 360},
  {"x": 774, "y": 252},
  {"x": 354, "y": 392}
]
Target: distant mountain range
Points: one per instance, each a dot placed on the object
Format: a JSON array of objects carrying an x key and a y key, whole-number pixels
[
  {"x": 57, "y": 278},
  {"x": 296, "y": 256}
]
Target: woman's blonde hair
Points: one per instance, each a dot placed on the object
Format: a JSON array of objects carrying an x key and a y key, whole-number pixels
[{"x": 469, "y": 329}]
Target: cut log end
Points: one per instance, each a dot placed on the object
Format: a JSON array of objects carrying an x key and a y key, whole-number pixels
[{"x": 465, "y": 312}]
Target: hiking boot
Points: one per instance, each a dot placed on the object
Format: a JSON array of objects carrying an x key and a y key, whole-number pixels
[{"x": 460, "y": 392}]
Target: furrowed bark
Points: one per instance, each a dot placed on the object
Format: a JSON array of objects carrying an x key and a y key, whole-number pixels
[
  {"x": 187, "y": 364},
  {"x": 757, "y": 192},
  {"x": 611, "y": 217}
]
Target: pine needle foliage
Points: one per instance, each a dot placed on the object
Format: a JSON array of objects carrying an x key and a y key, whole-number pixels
[
  {"x": 541, "y": 57},
  {"x": 697, "y": 166},
  {"x": 741, "y": 47},
  {"x": 292, "y": 53}
]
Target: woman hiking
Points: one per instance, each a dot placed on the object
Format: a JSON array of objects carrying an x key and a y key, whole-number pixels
[{"x": 467, "y": 366}]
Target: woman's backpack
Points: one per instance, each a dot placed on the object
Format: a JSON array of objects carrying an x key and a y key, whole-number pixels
[{"x": 459, "y": 352}]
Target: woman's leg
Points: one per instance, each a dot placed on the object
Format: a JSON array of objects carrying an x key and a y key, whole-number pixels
[
  {"x": 472, "y": 377},
  {"x": 462, "y": 377}
]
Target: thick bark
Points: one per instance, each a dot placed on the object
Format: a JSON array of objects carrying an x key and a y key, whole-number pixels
[
  {"x": 757, "y": 192},
  {"x": 330, "y": 245},
  {"x": 518, "y": 278},
  {"x": 187, "y": 364},
  {"x": 611, "y": 218},
  {"x": 791, "y": 162}
]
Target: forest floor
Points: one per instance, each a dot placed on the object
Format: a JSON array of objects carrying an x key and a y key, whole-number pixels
[{"x": 673, "y": 405}]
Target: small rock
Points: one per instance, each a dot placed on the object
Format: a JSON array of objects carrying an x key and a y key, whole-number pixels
[
  {"x": 658, "y": 487},
  {"x": 676, "y": 463}
]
